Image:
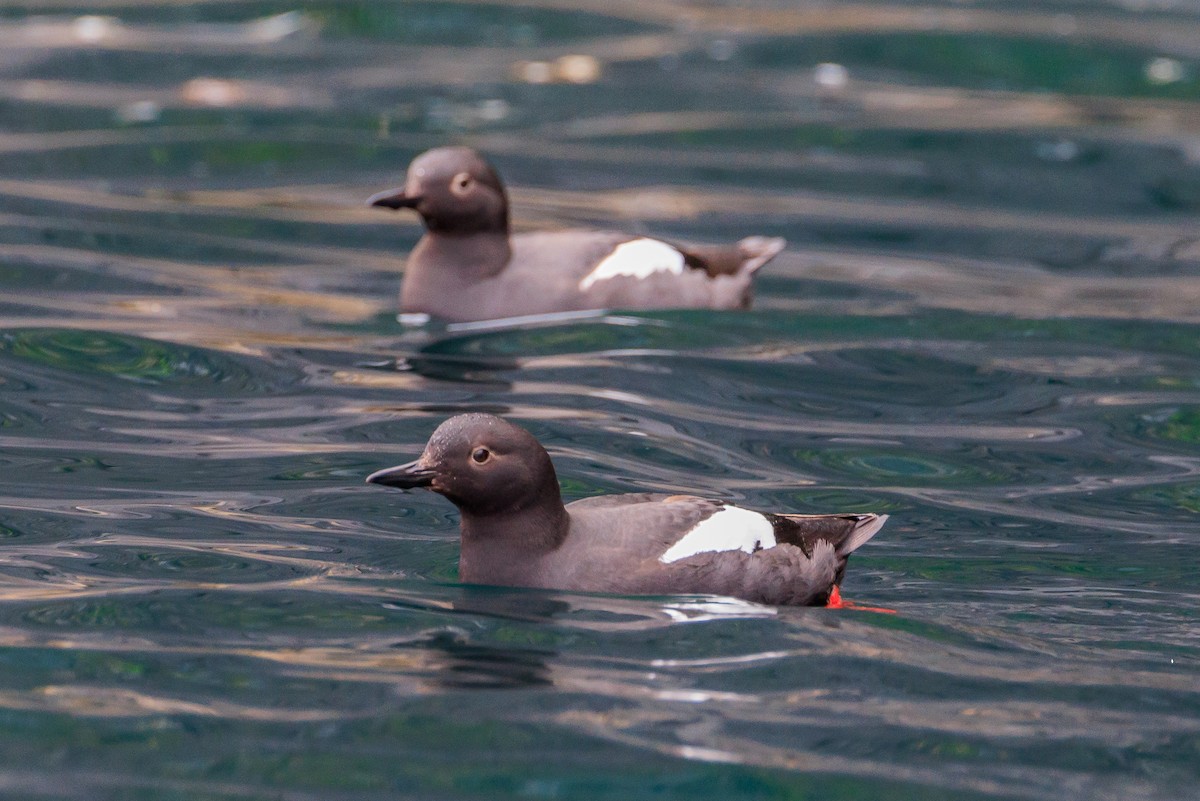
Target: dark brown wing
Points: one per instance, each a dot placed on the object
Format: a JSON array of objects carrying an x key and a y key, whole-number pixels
[
  {"x": 844, "y": 532},
  {"x": 747, "y": 255}
]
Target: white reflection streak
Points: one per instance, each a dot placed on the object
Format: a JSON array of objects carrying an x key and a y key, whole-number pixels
[
  {"x": 693, "y": 412},
  {"x": 717, "y": 661},
  {"x": 956, "y": 500},
  {"x": 702, "y": 696},
  {"x": 716, "y": 608},
  {"x": 998, "y": 779},
  {"x": 113, "y": 702},
  {"x": 706, "y": 754},
  {"x": 106, "y": 32}
]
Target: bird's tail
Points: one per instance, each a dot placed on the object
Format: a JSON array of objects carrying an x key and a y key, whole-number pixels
[
  {"x": 758, "y": 250},
  {"x": 867, "y": 526}
]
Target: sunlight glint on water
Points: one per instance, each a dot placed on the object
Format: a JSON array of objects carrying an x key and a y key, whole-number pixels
[{"x": 984, "y": 326}]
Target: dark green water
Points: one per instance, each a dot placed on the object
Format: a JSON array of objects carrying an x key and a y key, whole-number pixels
[{"x": 985, "y": 325}]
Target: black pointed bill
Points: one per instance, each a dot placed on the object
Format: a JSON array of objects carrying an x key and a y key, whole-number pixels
[
  {"x": 405, "y": 476},
  {"x": 394, "y": 199}
]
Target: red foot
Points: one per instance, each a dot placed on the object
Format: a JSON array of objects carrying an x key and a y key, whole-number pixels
[{"x": 837, "y": 602}]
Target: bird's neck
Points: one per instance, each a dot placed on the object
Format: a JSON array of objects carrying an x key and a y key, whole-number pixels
[
  {"x": 475, "y": 256},
  {"x": 448, "y": 270},
  {"x": 506, "y": 548}
]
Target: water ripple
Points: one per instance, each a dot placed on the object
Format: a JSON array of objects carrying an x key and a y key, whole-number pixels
[{"x": 984, "y": 324}]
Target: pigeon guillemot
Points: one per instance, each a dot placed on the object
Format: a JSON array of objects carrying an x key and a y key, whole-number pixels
[
  {"x": 469, "y": 267},
  {"x": 517, "y": 532}
]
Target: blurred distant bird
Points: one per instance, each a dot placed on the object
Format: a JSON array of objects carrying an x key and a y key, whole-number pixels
[{"x": 469, "y": 267}]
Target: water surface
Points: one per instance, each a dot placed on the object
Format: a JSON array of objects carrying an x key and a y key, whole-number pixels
[{"x": 985, "y": 325}]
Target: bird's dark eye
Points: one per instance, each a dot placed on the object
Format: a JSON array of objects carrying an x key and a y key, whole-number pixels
[
  {"x": 461, "y": 183},
  {"x": 481, "y": 455}
]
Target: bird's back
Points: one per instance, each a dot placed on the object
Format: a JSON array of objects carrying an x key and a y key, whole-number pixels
[{"x": 656, "y": 543}]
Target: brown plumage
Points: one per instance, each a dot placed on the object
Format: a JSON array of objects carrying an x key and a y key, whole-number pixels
[
  {"x": 468, "y": 266},
  {"x": 517, "y": 532}
]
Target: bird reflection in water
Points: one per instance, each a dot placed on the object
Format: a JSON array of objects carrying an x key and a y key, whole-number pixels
[{"x": 487, "y": 667}]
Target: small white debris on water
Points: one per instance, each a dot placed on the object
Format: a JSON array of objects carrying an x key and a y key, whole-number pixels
[
  {"x": 93, "y": 29},
  {"x": 494, "y": 109},
  {"x": 535, "y": 72},
  {"x": 139, "y": 111},
  {"x": 214, "y": 92},
  {"x": 278, "y": 26},
  {"x": 1164, "y": 70},
  {"x": 721, "y": 49},
  {"x": 1058, "y": 150},
  {"x": 831, "y": 76},
  {"x": 638, "y": 258},
  {"x": 731, "y": 529},
  {"x": 578, "y": 68}
]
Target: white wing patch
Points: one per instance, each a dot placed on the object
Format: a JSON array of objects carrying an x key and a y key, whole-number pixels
[
  {"x": 637, "y": 258},
  {"x": 731, "y": 529}
]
